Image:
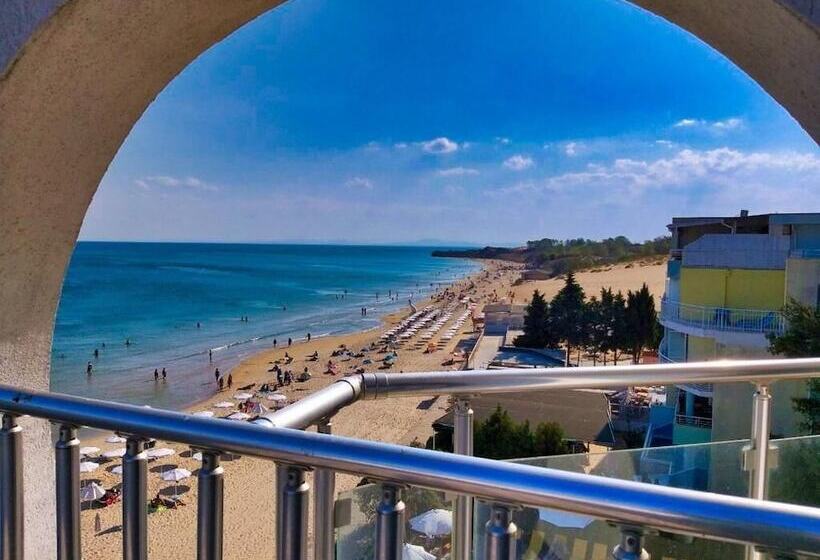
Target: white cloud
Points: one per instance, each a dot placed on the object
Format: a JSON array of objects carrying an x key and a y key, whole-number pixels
[
  {"x": 359, "y": 183},
  {"x": 169, "y": 182},
  {"x": 725, "y": 125},
  {"x": 400, "y": 145},
  {"x": 687, "y": 167},
  {"x": 665, "y": 143},
  {"x": 441, "y": 145},
  {"x": 502, "y": 140},
  {"x": 571, "y": 149},
  {"x": 685, "y": 123},
  {"x": 457, "y": 172},
  {"x": 518, "y": 162}
]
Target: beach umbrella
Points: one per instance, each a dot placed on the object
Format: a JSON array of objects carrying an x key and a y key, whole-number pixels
[
  {"x": 238, "y": 416},
  {"x": 564, "y": 518},
  {"x": 175, "y": 475},
  {"x": 197, "y": 456},
  {"x": 277, "y": 397},
  {"x": 242, "y": 396},
  {"x": 89, "y": 450},
  {"x": 91, "y": 492},
  {"x": 415, "y": 552},
  {"x": 224, "y": 404},
  {"x": 433, "y": 523},
  {"x": 117, "y": 469},
  {"x": 204, "y": 413},
  {"x": 115, "y": 439},
  {"x": 158, "y": 452},
  {"x": 88, "y": 466},
  {"x": 114, "y": 453}
]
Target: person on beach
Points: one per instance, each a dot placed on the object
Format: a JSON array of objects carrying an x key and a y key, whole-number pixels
[
  {"x": 308, "y": 337},
  {"x": 230, "y": 381},
  {"x": 164, "y": 375},
  {"x": 274, "y": 343},
  {"x": 156, "y": 375},
  {"x": 290, "y": 341},
  {"x": 279, "y": 380},
  {"x": 210, "y": 355},
  {"x": 221, "y": 384},
  {"x": 88, "y": 368},
  {"x": 216, "y": 375}
]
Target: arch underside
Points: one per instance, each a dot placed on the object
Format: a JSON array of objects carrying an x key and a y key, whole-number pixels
[{"x": 78, "y": 74}]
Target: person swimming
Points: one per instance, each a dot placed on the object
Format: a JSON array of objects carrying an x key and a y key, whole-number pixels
[
  {"x": 164, "y": 375},
  {"x": 156, "y": 374},
  {"x": 89, "y": 368}
]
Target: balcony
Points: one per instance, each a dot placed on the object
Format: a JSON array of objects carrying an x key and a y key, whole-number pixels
[
  {"x": 693, "y": 421},
  {"x": 633, "y": 513},
  {"x": 729, "y": 325}
]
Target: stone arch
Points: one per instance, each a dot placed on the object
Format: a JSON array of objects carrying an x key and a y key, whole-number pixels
[{"x": 77, "y": 74}]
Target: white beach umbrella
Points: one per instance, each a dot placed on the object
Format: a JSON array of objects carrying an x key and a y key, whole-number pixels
[
  {"x": 91, "y": 492},
  {"x": 564, "y": 518},
  {"x": 175, "y": 475},
  {"x": 115, "y": 439},
  {"x": 433, "y": 523},
  {"x": 415, "y": 552},
  {"x": 276, "y": 397},
  {"x": 158, "y": 452},
  {"x": 89, "y": 450},
  {"x": 224, "y": 404},
  {"x": 88, "y": 466},
  {"x": 204, "y": 413},
  {"x": 117, "y": 470},
  {"x": 242, "y": 396},
  {"x": 238, "y": 416},
  {"x": 114, "y": 453},
  {"x": 197, "y": 456}
]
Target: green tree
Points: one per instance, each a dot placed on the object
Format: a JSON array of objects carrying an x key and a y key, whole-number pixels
[
  {"x": 501, "y": 437},
  {"x": 641, "y": 321},
  {"x": 801, "y": 339},
  {"x": 537, "y": 330},
  {"x": 613, "y": 323},
  {"x": 596, "y": 329},
  {"x": 549, "y": 439},
  {"x": 567, "y": 314}
]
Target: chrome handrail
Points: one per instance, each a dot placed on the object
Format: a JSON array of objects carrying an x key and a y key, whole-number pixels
[{"x": 766, "y": 524}]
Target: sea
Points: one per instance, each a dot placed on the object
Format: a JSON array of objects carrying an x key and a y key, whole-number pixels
[{"x": 173, "y": 302}]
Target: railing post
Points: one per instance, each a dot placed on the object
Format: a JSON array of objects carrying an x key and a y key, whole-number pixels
[
  {"x": 67, "y": 467},
  {"x": 463, "y": 514},
  {"x": 761, "y": 426},
  {"x": 631, "y": 547},
  {"x": 11, "y": 489},
  {"x": 390, "y": 524},
  {"x": 324, "y": 480},
  {"x": 134, "y": 506},
  {"x": 291, "y": 512},
  {"x": 758, "y": 456},
  {"x": 211, "y": 487},
  {"x": 499, "y": 537}
]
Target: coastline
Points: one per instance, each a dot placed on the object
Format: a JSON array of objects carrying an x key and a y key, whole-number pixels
[{"x": 249, "y": 505}]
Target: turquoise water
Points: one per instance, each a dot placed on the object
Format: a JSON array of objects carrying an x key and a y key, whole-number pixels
[{"x": 154, "y": 294}]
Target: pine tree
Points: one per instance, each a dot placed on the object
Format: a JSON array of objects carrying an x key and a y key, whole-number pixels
[
  {"x": 641, "y": 322},
  {"x": 567, "y": 314},
  {"x": 596, "y": 328},
  {"x": 537, "y": 333}
]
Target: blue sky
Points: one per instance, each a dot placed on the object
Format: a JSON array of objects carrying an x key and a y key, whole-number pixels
[{"x": 461, "y": 121}]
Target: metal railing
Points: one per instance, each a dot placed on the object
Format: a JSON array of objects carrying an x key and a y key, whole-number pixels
[
  {"x": 723, "y": 318},
  {"x": 694, "y": 421},
  {"x": 631, "y": 505}
]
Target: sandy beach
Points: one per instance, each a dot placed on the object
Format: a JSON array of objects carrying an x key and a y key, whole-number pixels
[{"x": 249, "y": 483}]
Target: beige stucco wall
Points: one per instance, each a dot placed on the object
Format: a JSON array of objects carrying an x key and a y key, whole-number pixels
[
  {"x": 80, "y": 76},
  {"x": 803, "y": 280}
]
